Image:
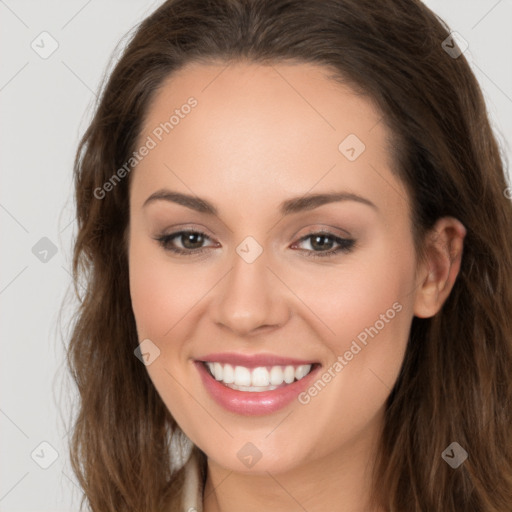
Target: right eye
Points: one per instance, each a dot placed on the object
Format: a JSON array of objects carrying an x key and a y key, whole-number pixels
[{"x": 187, "y": 238}]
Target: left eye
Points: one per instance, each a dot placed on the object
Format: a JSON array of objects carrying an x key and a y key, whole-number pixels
[
  {"x": 192, "y": 241},
  {"x": 318, "y": 240}
]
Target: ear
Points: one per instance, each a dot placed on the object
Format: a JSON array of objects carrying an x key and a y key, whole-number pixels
[{"x": 438, "y": 271}]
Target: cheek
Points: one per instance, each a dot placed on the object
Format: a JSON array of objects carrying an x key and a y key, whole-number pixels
[
  {"x": 368, "y": 310},
  {"x": 365, "y": 289},
  {"x": 152, "y": 304},
  {"x": 161, "y": 292},
  {"x": 371, "y": 319}
]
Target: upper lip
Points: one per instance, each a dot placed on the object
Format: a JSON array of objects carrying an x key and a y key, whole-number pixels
[{"x": 253, "y": 360}]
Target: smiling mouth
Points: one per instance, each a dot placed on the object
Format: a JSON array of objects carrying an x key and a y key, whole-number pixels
[{"x": 259, "y": 379}]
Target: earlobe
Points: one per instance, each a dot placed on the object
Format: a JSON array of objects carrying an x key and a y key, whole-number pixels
[{"x": 443, "y": 250}]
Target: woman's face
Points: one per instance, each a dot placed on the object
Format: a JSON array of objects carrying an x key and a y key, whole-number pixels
[{"x": 247, "y": 163}]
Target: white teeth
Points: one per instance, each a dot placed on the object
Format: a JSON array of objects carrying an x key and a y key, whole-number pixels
[
  {"x": 289, "y": 374},
  {"x": 302, "y": 371},
  {"x": 258, "y": 379},
  {"x": 228, "y": 375},
  {"x": 276, "y": 376},
  {"x": 242, "y": 376},
  {"x": 217, "y": 371},
  {"x": 251, "y": 389}
]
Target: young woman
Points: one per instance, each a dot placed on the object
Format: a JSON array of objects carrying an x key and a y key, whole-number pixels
[{"x": 295, "y": 237}]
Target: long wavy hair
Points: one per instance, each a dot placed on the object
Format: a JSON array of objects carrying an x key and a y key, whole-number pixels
[{"x": 455, "y": 383}]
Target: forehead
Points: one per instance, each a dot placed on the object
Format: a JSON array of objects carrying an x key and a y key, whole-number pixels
[{"x": 271, "y": 130}]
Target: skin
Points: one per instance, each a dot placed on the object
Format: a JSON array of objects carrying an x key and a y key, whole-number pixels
[{"x": 258, "y": 136}]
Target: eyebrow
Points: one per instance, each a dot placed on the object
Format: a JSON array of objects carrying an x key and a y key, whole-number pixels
[{"x": 288, "y": 207}]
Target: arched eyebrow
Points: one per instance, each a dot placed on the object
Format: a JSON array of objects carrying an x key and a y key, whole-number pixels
[{"x": 288, "y": 207}]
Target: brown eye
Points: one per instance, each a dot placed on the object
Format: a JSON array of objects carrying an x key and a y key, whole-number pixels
[
  {"x": 322, "y": 242},
  {"x": 191, "y": 242}
]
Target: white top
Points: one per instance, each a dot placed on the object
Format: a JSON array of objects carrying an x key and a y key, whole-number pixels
[{"x": 192, "y": 492}]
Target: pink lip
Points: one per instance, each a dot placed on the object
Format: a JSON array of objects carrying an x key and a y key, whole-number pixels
[
  {"x": 257, "y": 403},
  {"x": 252, "y": 361}
]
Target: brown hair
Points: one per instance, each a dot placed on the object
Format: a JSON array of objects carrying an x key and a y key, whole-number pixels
[{"x": 456, "y": 381}]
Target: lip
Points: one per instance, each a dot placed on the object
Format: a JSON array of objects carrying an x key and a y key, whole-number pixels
[
  {"x": 254, "y": 403},
  {"x": 253, "y": 360}
]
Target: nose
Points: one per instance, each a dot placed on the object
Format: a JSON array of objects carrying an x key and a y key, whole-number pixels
[{"x": 251, "y": 298}]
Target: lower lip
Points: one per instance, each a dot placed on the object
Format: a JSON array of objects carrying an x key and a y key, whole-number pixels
[{"x": 257, "y": 402}]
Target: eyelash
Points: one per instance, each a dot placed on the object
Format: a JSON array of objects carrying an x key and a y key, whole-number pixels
[{"x": 345, "y": 244}]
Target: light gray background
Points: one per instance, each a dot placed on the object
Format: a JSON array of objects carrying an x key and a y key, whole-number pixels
[{"x": 45, "y": 107}]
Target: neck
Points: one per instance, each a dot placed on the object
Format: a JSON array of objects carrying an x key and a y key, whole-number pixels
[{"x": 340, "y": 481}]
